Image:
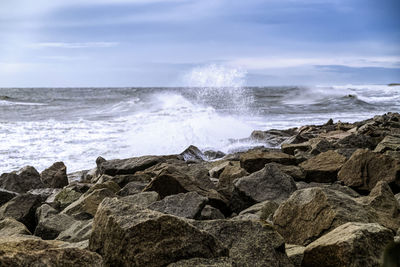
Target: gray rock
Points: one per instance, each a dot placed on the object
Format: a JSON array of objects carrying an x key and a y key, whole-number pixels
[
  {"x": 211, "y": 213},
  {"x": 263, "y": 210},
  {"x": 147, "y": 238},
  {"x": 132, "y": 188},
  {"x": 217, "y": 170},
  {"x": 351, "y": 244},
  {"x": 79, "y": 231},
  {"x": 55, "y": 176},
  {"x": 127, "y": 166},
  {"x": 269, "y": 183},
  {"x": 10, "y": 227},
  {"x": 21, "y": 181},
  {"x": 187, "y": 205},
  {"x": 143, "y": 199},
  {"x": 192, "y": 153}
]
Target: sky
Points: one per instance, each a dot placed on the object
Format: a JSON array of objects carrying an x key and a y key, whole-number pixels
[{"x": 85, "y": 43}]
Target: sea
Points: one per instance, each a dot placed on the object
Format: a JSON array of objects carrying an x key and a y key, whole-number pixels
[{"x": 39, "y": 126}]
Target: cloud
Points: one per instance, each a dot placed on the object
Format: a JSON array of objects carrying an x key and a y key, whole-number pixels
[{"x": 74, "y": 45}]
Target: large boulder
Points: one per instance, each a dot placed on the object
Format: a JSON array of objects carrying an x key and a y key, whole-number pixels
[
  {"x": 365, "y": 168},
  {"x": 10, "y": 226},
  {"x": 22, "y": 208},
  {"x": 351, "y": 244},
  {"x": 250, "y": 243},
  {"x": 270, "y": 183},
  {"x": 6, "y": 195},
  {"x": 86, "y": 206},
  {"x": 226, "y": 178},
  {"x": 128, "y": 235},
  {"x": 193, "y": 154},
  {"x": 21, "y": 181},
  {"x": 328, "y": 209},
  {"x": 127, "y": 166},
  {"x": 55, "y": 176},
  {"x": 324, "y": 167},
  {"x": 187, "y": 205},
  {"x": 255, "y": 160},
  {"x": 29, "y": 251}
]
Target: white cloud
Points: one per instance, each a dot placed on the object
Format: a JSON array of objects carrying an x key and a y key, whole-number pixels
[{"x": 74, "y": 45}]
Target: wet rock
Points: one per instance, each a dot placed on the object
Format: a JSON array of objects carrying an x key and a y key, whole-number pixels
[
  {"x": 29, "y": 251},
  {"x": 187, "y": 205},
  {"x": 10, "y": 227},
  {"x": 217, "y": 170},
  {"x": 22, "y": 208},
  {"x": 210, "y": 213},
  {"x": 351, "y": 244},
  {"x": 271, "y": 137},
  {"x": 6, "y": 195},
  {"x": 250, "y": 243},
  {"x": 132, "y": 188},
  {"x": 323, "y": 167},
  {"x": 211, "y": 155},
  {"x": 270, "y": 183},
  {"x": 365, "y": 168},
  {"x": 192, "y": 153},
  {"x": 295, "y": 254},
  {"x": 255, "y": 160},
  {"x": 86, "y": 206},
  {"x": 389, "y": 143},
  {"x": 21, "y": 181},
  {"x": 55, "y": 176},
  {"x": 127, "y": 166},
  {"x": 204, "y": 262},
  {"x": 147, "y": 238},
  {"x": 143, "y": 199},
  {"x": 51, "y": 223}
]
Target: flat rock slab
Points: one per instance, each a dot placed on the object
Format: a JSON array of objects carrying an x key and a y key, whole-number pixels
[
  {"x": 324, "y": 167},
  {"x": 255, "y": 160},
  {"x": 128, "y": 166},
  {"x": 127, "y": 235},
  {"x": 351, "y": 244}
]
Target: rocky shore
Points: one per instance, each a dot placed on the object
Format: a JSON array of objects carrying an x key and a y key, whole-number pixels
[{"x": 329, "y": 196}]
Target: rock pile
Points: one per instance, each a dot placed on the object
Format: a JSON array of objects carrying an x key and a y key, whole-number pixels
[{"x": 329, "y": 197}]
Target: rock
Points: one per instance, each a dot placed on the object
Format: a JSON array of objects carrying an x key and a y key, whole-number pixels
[
  {"x": 187, "y": 205},
  {"x": 204, "y": 262},
  {"x": 323, "y": 167},
  {"x": 67, "y": 196},
  {"x": 263, "y": 209},
  {"x": 112, "y": 186},
  {"x": 388, "y": 143},
  {"x": 319, "y": 145},
  {"x": 125, "y": 179},
  {"x": 335, "y": 186},
  {"x": 226, "y": 178},
  {"x": 86, "y": 206},
  {"x": 192, "y": 153},
  {"x": 171, "y": 181},
  {"x": 10, "y": 227},
  {"x": 132, "y": 188},
  {"x": 55, "y": 176},
  {"x": 365, "y": 168},
  {"x": 28, "y": 251},
  {"x": 211, "y": 155},
  {"x": 143, "y": 199},
  {"x": 127, "y": 166},
  {"x": 147, "y": 238},
  {"x": 51, "y": 223},
  {"x": 291, "y": 148},
  {"x": 21, "y": 181},
  {"x": 22, "y": 208},
  {"x": 79, "y": 231},
  {"x": 255, "y": 160},
  {"x": 328, "y": 209},
  {"x": 6, "y": 195},
  {"x": 357, "y": 141},
  {"x": 271, "y": 137},
  {"x": 351, "y": 244},
  {"x": 269, "y": 183},
  {"x": 295, "y": 172},
  {"x": 295, "y": 254},
  {"x": 78, "y": 176},
  {"x": 217, "y": 170},
  {"x": 250, "y": 243},
  {"x": 211, "y": 213},
  {"x": 45, "y": 193},
  {"x": 397, "y": 196}
]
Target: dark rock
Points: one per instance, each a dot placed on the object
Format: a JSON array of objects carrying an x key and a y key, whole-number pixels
[
  {"x": 30, "y": 251},
  {"x": 365, "y": 168},
  {"x": 271, "y": 137},
  {"x": 187, "y": 205},
  {"x": 211, "y": 213},
  {"x": 143, "y": 199},
  {"x": 6, "y": 195},
  {"x": 21, "y": 181},
  {"x": 323, "y": 167},
  {"x": 269, "y": 183},
  {"x": 55, "y": 176},
  {"x": 204, "y": 262},
  {"x": 389, "y": 143},
  {"x": 255, "y": 160},
  {"x": 132, "y": 188},
  {"x": 147, "y": 238},
  {"x": 226, "y": 178},
  {"x": 351, "y": 244},
  {"x": 211, "y": 155},
  {"x": 250, "y": 243},
  {"x": 127, "y": 166},
  {"x": 357, "y": 141},
  {"x": 193, "y": 154},
  {"x": 22, "y": 208}
]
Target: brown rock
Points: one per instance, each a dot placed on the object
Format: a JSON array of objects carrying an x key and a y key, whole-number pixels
[
  {"x": 255, "y": 160},
  {"x": 226, "y": 178},
  {"x": 10, "y": 227},
  {"x": 21, "y": 181},
  {"x": 127, "y": 166},
  {"x": 290, "y": 148},
  {"x": 55, "y": 176}
]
